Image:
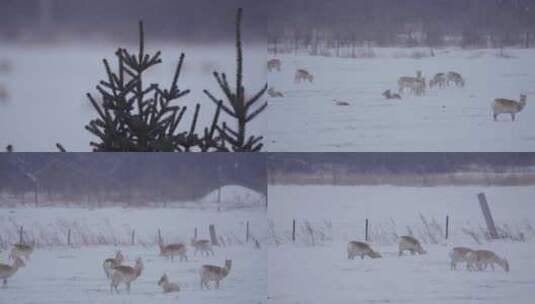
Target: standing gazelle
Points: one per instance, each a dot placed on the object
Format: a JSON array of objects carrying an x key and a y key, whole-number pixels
[
  {"x": 172, "y": 250},
  {"x": 203, "y": 246},
  {"x": 125, "y": 274},
  {"x": 508, "y": 106},
  {"x": 110, "y": 263},
  {"x": 411, "y": 244},
  {"x": 168, "y": 286},
  {"x": 6, "y": 271},
  {"x": 481, "y": 259},
  {"x": 214, "y": 273},
  {"x": 361, "y": 249}
]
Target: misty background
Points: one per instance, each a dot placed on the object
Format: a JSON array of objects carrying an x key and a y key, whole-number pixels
[
  {"x": 469, "y": 23},
  {"x": 169, "y": 20},
  {"x": 122, "y": 178}
]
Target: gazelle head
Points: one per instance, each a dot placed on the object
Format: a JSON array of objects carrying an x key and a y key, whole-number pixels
[
  {"x": 163, "y": 280},
  {"x": 228, "y": 264},
  {"x": 375, "y": 255},
  {"x": 119, "y": 256},
  {"x": 523, "y": 100},
  {"x": 504, "y": 263},
  {"x": 18, "y": 262}
]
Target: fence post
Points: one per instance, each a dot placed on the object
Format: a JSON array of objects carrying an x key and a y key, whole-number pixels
[
  {"x": 293, "y": 231},
  {"x": 447, "y": 226},
  {"x": 366, "y": 233},
  {"x": 247, "y": 232},
  {"x": 159, "y": 237},
  {"x": 195, "y": 233},
  {"x": 21, "y": 232},
  {"x": 69, "y": 238},
  {"x": 213, "y": 235},
  {"x": 488, "y": 216},
  {"x": 133, "y": 238}
]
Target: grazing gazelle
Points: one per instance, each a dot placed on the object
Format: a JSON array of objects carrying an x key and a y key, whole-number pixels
[
  {"x": 388, "y": 95},
  {"x": 301, "y": 75},
  {"x": 438, "y": 80},
  {"x": 125, "y": 274},
  {"x": 508, "y": 106},
  {"x": 172, "y": 250},
  {"x": 273, "y": 93},
  {"x": 109, "y": 263},
  {"x": 456, "y": 78},
  {"x": 21, "y": 250},
  {"x": 214, "y": 273},
  {"x": 168, "y": 286},
  {"x": 274, "y": 64},
  {"x": 480, "y": 259},
  {"x": 411, "y": 244},
  {"x": 361, "y": 249},
  {"x": 204, "y": 246},
  {"x": 6, "y": 271},
  {"x": 460, "y": 255}
]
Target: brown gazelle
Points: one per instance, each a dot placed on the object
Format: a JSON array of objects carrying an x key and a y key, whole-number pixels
[
  {"x": 214, "y": 273},
  {"x": 21, "y": 250},
  {"x": 6, "y": 271},
  {"x": 411, "y": 244},
  {"x": 361, "y": 249},
  {"x": 203, "y": 246},
  {"x": 274, "y": 64},
  {"x": 171, "y": 250},
  {"x": 109, "y": 263},
  {"x": 438, "y": 80},
  {"x": 456, "y": 78},
  {"x": 125, "y": 274},
  {"x": 460, "y": 255},
  {"x": 481, "y": 259},
  {"x": 301, "y": 75},
  {"x": 508, "y": 106},
  {"x": 168, "y": 286},
  {"x": 274, "y": 94}
]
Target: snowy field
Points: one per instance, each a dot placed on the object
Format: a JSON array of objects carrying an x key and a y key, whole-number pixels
[
  {"x": 47, "y": 87},
  {"x": 59, "y": 274},
  {"x": 315, "y": 268},
  {"x": 449, "y": 119}
]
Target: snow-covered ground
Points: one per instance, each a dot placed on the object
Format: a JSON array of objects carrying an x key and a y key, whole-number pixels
[
  {"x": 47, "y": 87},
  {"x": 450, "y": 119},
  {"x": 318, "y": 271},
  {"x": 59, "y": 274}
]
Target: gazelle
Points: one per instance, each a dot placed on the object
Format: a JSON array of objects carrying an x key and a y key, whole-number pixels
[
  {"x": 21, "y": 250},
  {"x": 273, "y": 93},
  {"x": 508, "y": 106},
  {"x": 125, "y": 274},
  {"x": 204, "y": 246},
  {"x": 6, "y": 271},
  {"x": 109, "y": 263},
  {"x": 361, "y": 249},
  {"x": 388, "y": 95},
  {"x": 411, "y": 244},
  {"x": 214, "y": 273},
  {"x": 415, "y": 85},
  {"x": 481, "y": 259},
  {"x": 438, "y": 80},
  {"x": 456, "y": 78},
  {"x": 460, "y": 255},
  {"x": 274, "y": 64},
  {"x": 303, "y": 75},
  {"x": 172, "y": 250},
  {"x": 168, "y": 286}
]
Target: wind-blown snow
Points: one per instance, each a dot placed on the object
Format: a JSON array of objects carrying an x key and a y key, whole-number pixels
[{"x": 444, "y": 120}]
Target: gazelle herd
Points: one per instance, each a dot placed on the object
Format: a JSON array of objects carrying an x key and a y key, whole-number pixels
[
  {"x": 413, "y": 85},
  {"x": 475, "y": 260},
  {"x": 118, "y": 272}
]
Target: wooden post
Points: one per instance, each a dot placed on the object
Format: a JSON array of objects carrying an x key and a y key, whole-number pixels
[
  {"x": 366, "y": 229},
  {"x": 247, "y": 232},
  {"x": 133, "y": 238},
  {"x": 447, "y": 226},
  {"x": 293, "y": 230},
  {"x": 69, "y": 238},
  {"x": 488, "y": 216},
  {"x": 35, "y": 194},
  {"x": 21, "y": 232},
  {"x": 213, "y": 235},
  {"x": 160, "y": 237},
  {"x": 195, "y": 233}
]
